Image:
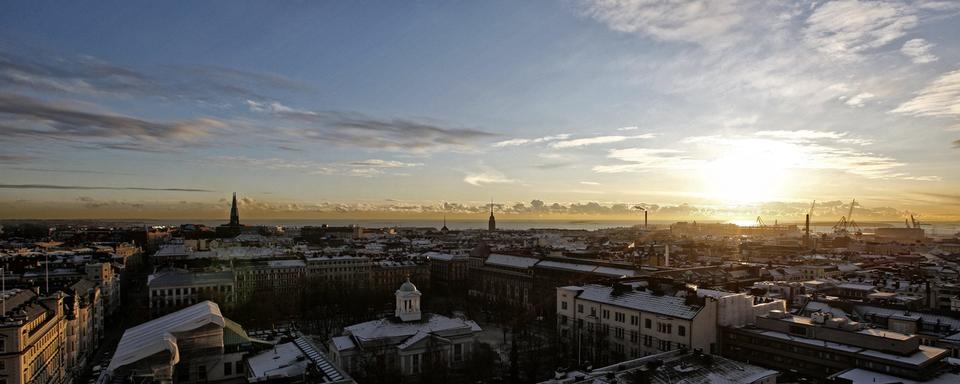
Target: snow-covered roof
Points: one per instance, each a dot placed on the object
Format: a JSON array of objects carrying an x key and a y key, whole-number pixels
[
  {"x": 343, "y": 343},
  {"x": 157, "y": 335},
  {"x": 511, "y": 261},
  {"x": 640, "y": 300},
  {"x": 291, "y": 359},
  {"x": 567, "y": 266},
  {"x": 286, "y": 263},
  {"x": 441, "y": 256},
  {"x": 616, "y": 272},
  {"x": 389, "y": 328},
  {"x": 863, "y": 376}
]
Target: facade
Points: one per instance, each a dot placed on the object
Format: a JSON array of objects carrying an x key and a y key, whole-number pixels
[
  {"x": 606, "y": 324},
  {"x": 385, "y": 275},
  {"x": 33, "y": 338},
  {"x": 821, "y": 346},
  {"x": 339, "y": 270},
  {"x": 409, "y": 343},
  {"x": 175, "y": 289},
  {"x": 449, "y": 271},
  {"x": 109, "y": 282},
  {"x": 84, "y": 312},
  {"x": 282, "y": 277}
]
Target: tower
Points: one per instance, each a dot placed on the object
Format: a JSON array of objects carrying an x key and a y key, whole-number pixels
[
  {"x": 408, "y": 302},
  {"x": 444, "y": 229},
  {"x": 492, "y": 223},
  {"x": 234, "y": 213}
]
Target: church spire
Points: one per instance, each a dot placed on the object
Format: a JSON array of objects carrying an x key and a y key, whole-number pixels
[
  {"x": 234, "y": 213},
  {"x": 492, "y": 223}
]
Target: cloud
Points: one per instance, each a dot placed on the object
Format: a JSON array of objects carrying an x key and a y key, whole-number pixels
[
  {"x": 358, "y": 168},
  {"x": 486, "y": 176},
  {"x": 87, "y": 75},
  {"x": 846, "y": 29},
  {"x": 644, "y": 159},
  {"x": 15, "y": 159},
  {"x": 939, "y": 98},
  {"x": 519, "y": 141},
  {"x": 597, "y": 140},
  {"x": 918, "y": 50},
  {"x": 628, "y": 128},
  {"x": 744, "y": 121},
  {"x": 802, "y": 149},
  {"x": 589, "y": 183},
  {"x": 703, "y": 22},
  {"x": 29, "y": 118},
  {"x": 81, "y": 187},
  {"x": 859, "y": 99},
  {"x": 956, "y": 144},
  {"x": 68, "y": 170},
  {"x": 359, "y": 130}
]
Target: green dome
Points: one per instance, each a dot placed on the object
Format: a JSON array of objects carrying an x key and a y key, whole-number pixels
[{"x": 408, "y": 287}]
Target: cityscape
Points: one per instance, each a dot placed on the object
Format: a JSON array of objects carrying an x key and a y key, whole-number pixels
[{"x": 555, "y": 192}]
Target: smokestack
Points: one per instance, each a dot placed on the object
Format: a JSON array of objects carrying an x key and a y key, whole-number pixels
[
  {"x": 644, "y": 219},
  {"x": 806, "y": 229}
]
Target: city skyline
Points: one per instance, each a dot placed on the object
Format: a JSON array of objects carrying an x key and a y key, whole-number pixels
[{"x": 308, "y": 110}]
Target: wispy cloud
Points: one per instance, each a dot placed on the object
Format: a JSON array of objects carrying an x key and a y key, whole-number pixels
[
  {"x": 939, "y": 98},
  {"x": 15, "y": 159},
  {"x": 83, "y": 187},
  {"x": 956, "y": 144},
  {"x": 701, "y": 22},
  {"x": 87, "y": 75},
  {"x": 574, "y": 143},
  {"x": 359, "y": 130},
  {"x": 25, "y": 117},
  {"x": 803, "y": 149},
  {"x": 486, "y": 176},
  {"x": 846, "y": 29},
  {"x": 859, "y": 99},
  {"x": 521, "y": 141},
  {"x": 589, "y": 183},
  {"x": 358, "y": 168},
  {"x": 918, "y": 50}
]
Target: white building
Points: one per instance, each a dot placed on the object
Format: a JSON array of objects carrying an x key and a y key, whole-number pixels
[
  {"x": 605, "y": 324},
  {"x": 409, "y": 343}
]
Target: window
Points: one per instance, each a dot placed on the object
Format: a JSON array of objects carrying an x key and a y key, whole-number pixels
[
  {"x": 593, "y": 311},
  {"x": 227, "y": 368},
  {"x": 580, "y": 308},
  {"x": 798, "y": 330},
  {"x": 3, "y": 345},
  {"x": 457, "y": 352},
  {"x": 618, "y": 332},
  {"x": 664, "y": 345},
  {"x": 681, "y": 346},
  {"x": 563, "y": 320},
  {"x": 606, "y": 314},
  {"x": 633, "y": 336},
  {"x": 681, "y": 330},
  {"x": 416, "y": 363},
  {"x": 239, "y": 367},
  {"x": 646, "y": 323},
  {"x": 647, "y": 340},
  {"x": 563, "y": 305},
  {"x": 620, "y": 317},
  {"x": 634, "y": 320}
]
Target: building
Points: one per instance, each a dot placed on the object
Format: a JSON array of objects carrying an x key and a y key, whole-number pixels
[
  {"x": 821, "y": 345},
  {"x": 193, "y": 345},
  {"x": 492, "y": 221},
  {"x": 339, "y": 270},
  {"x": 385, "y": 275},
  {"x": 233, "y": 228},
  {"x": 33, "y": 338},
  {"x": 611, "y": 323},
  {"x": 672, "y": 367},
  {"x": 292, "y": 362},
  {"x": 84, "y": 313},
  {"x": 409, "y": 343},
  {"x": 448, "y": 271},
  {"x": 172, "y": 290}
]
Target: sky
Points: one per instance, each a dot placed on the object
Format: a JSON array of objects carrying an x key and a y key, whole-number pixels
[{"x": 691, "y": 109}]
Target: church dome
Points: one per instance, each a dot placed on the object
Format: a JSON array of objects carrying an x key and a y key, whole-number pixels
[{"x": 408, "y": 287}]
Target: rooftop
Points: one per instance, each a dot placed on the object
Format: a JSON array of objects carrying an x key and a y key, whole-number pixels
[{"x": 640, "y": 300}]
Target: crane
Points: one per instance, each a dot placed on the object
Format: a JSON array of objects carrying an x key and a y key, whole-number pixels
[{"x": 846, "y": 223}]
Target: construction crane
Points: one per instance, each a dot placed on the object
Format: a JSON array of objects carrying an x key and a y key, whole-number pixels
[
  {"x": 760, "y": 223},
  {"x": 846, "y": 223}
]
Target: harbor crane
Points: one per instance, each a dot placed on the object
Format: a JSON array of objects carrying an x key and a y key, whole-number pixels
[{"x": 846, "y": 223}]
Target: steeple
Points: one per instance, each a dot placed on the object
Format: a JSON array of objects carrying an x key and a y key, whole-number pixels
[
  {"x": 444, "y": 229},
  {"x": 234, "y": 213},
  {"x": 492, "y": 223}
]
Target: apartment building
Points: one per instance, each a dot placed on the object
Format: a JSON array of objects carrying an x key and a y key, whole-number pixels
[
  {"x": 341, "y": 270},
  {"x": 606, "y": 324},
  {"x": 171, "y": 290},
  {"x": 32, "y": 338}
]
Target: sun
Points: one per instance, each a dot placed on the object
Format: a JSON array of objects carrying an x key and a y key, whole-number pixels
[{"x": 748, "y": 171}]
